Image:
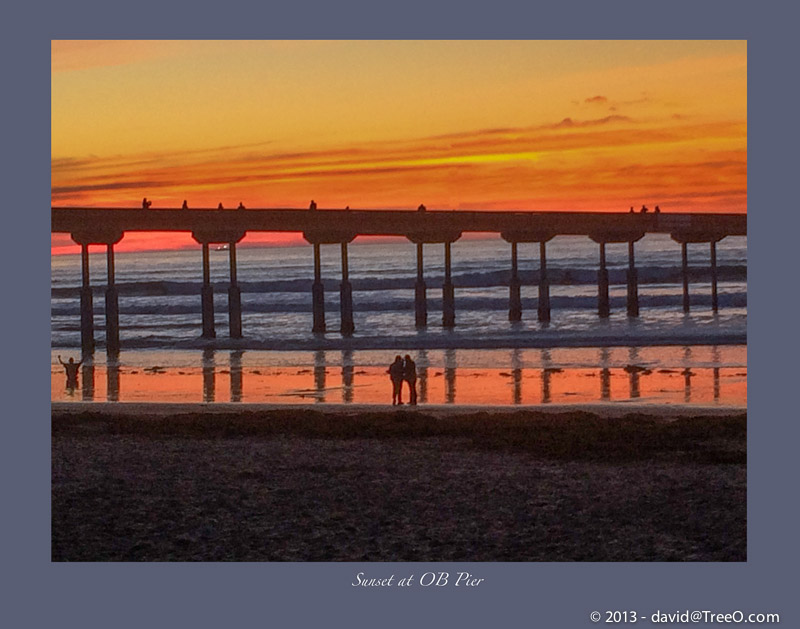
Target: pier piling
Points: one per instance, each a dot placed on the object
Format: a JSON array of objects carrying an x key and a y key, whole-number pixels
[
  {"x": 714, "y": 297},
  {"x": 514, "y": 297},
  {"x": 207, "y": 297},
  {"x": 346, "y": 297},
  {"x": 234, "y": 298},
  {"x": 318, "y": 294},
  {"x": 633, "y": 283},
  {"x": 685, "y": 275},
  {"x": 448, "y": 292},
  {"x": 112, "y": 306},
  {"x": 544, "y": 284},
  {"x": 603, "y": 308},
  {"x": 420, "y": 293},
  {"x": 87, "y": 306}
]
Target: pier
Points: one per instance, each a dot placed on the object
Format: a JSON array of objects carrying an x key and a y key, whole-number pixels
[{"x": 107, "y": 226}]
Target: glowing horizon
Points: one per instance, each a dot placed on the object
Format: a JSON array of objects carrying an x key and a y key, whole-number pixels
[{"x": 541, "y": 125}]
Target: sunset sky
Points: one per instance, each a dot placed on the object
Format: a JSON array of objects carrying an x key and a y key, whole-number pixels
[{"x": 539, "y": 125}]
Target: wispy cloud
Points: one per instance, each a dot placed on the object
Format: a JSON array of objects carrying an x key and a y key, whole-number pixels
[{"x": 591, "y": 162}]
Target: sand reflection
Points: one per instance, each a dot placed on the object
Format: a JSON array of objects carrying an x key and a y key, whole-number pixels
[{"x": 447, "y": 377}]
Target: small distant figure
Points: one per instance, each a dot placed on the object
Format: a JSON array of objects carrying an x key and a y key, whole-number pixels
[
  {"x": 146, "y": 203},
  {"x": 347, "y": 208},
  {"x": 71, "y": 369},
  {"x": 396, "y": 373},
  {"x": 657, "y": 210},
  {"x": 185, "y": 205},
  {"x": 241, "y": 206},
  {"x": 313, "y": 205},
  {"x": 410, "y": 376},
  {"x": 644, "y": 209},
  {"x": 421, "y": 208},
  {"x": 631, "y": 211},
  {"x": 219, "y": 207}
]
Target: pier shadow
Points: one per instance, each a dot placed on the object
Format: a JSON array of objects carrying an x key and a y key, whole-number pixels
[
  {"x": 347, "y": 376},
  {"x": 546, "y": 375},
  {"x": 450, "y": 365},
  {"x": 516, "y": 375},
  {"x": 236, "y": 375},
  {"x": 112, "y": 379},
  {"x": 87, "y": 381},
  {"x": 605, "y": 375},
  {"x": 319, "y": 375},
  {"x": 633, "y": 373},
  {"x": 422, "y": 375},
  {"x": 209, "y": 373}
]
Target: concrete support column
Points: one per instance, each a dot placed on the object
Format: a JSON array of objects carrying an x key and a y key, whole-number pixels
[
  {"x": 112, "y": 306},
  {"x": 318, "y": 294},
  {"x": 633, "y": 284},
  {"x": 514, "y": 297},
  {"x": 346, "y": 297},
  {"x": 544, "y": 284},
  {"x": 234, "y": 298},
  {"x": 448, "y": 292},
  {"x": 87, "y": 307},
  {"x": 207, "y": 298},
  {"x": 685, "y": 273},
  {"x": 714, "y": 297},
  {"x": 603, "y": 308},
  {"x": 420, "y": 293}
]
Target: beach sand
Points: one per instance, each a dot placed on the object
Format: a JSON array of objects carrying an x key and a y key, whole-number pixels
[{"x": 332, "y": 483}]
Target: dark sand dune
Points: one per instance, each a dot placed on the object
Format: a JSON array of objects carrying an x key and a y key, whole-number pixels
[{"x": 303, "y": 485}]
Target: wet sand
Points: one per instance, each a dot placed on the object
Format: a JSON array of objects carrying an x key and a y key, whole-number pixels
[{"x": 225, "y": 483}]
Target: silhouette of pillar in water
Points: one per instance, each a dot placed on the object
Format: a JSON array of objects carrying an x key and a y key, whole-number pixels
[
  {"x": 514, "y": 297},
  {"x": 633, "y": 283},
  {"x": 603, "y": 308},
  {"x": 87, "y": 381},
  {"x": 346, "y": 297},
  {"x": 234, "y": 298},
  {"x": 87, "y": 307},
  {"x": 236, "y": 376},
  {"x": 714, "y": 297},
  {"x": 448, "y": 292},
  {"x": 318, "y": 294},
  {"x": 544, "y": 284},
  {"x": 685, "y": 275},
  {"x": 207, "y": 297},
  {"x": 420, "y": 293},
  {"x": 112, "y": 305}
]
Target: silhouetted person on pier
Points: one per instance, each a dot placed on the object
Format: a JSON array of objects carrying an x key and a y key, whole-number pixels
[
  {"x": 219, "y": 207},
  {"x": 313, "y": 205},
  {"x": 146, "y": 204},
  {"x": 71, "y": 369},
  {"x": 657, "y": 210},
  {"x": 396, "y": 372},
  {"x": 644, "y": 209},
  {"x": 241, "y": 206},
  {"x": 185, "y": 205},
  {"x": 410, "y": 376},
  {"x": 631, "y": 212},
  {"x": 421, "y": 208}
]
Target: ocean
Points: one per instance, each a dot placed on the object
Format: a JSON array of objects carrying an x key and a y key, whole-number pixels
[{"x": 160, "y": 318}]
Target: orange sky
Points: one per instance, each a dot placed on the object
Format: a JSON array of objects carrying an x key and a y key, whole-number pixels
[{"x": 584, "y": 125}]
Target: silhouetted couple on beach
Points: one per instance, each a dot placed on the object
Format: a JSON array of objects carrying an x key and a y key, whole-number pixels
[{"x": 403, "y": 371}]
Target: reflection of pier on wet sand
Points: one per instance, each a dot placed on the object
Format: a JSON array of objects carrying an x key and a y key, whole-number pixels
[{"x": 334, "y": 378}]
